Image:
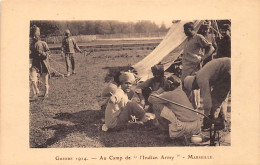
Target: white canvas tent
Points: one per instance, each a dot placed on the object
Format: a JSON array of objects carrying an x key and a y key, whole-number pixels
[{"x": 169, "y": 49}]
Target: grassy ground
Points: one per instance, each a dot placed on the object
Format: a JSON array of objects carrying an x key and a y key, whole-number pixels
[{"x": 71, "y": 116}]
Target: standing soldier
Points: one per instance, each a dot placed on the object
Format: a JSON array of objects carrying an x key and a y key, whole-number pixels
[
  {"x": 39, "y": 55},
  {"x": 193, "y": 56},
  {"x": 224, "y": 49},
  {"x": 68, "y": 47}
]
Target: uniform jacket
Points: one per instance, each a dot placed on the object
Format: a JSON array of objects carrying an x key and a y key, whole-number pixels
[
  {"x": 39, "y": 53},
  {"x": 177, "y": 96},
  {"x": 69, "y": 45},
  {"x": 209, "y": 75}
]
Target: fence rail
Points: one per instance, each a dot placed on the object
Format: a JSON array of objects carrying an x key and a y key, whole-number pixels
[{"x": 88, "y": 38}]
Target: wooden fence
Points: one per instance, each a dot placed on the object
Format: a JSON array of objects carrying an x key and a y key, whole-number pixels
[{"x": 88, "y": 38}]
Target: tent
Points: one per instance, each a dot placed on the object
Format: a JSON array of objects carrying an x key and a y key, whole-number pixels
[{"x": 168, "y": 50}]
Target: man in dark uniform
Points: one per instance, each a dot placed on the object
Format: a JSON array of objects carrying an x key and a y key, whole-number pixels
[
  {"x": 39, "y": 55},
  {"x": 224, "y": 45}
]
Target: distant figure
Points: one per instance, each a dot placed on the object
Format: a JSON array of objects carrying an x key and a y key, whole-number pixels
[
  {"x": 224, "y": 45},
  {"x": 177, "y": 120},
  {"x": 39, "y": 54},
  {"x": 214, "y": 82},
  {"x": 68, "y": 47},
  {"x": 193, "y": 56}
]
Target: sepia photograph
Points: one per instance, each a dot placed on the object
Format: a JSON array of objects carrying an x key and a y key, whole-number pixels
[
  {"x": 94, "y": 82},
  {"x": 129, "y": 82}
]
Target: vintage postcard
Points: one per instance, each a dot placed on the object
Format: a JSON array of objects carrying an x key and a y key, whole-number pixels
[{"x": 123, "y": 82}]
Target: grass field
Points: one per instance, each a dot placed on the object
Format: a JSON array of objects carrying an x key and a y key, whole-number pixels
[{"x": 71, "y": 116}]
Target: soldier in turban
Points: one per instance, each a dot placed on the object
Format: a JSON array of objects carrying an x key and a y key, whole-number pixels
[
  {"x": 158, "y": 80},
  {"x": 39, "y": 55},
  {"x": 120, "y": 108}
]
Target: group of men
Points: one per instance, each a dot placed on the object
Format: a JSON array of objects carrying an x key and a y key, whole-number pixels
[
  {"x": 166, "y": 100},
  {"x": 40, "y": 56},
  {"x": 174, "y": 101}
]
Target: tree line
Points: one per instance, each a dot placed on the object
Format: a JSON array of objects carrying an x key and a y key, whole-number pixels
[{"x": 57, "y": 28}]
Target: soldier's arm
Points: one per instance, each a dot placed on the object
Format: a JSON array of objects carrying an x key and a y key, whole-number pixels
[
  {"x": 46, "y": 52},
  {"x": 76, "y": 46},
  {"x": 209, "y": 49}
]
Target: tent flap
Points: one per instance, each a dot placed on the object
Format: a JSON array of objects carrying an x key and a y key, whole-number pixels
[{"x": 169, "y": 49}]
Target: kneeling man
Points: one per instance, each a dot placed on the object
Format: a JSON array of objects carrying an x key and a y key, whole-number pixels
[{"x": 178, "y": 120}]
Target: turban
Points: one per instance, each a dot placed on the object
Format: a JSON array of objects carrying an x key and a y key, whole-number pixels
[
  {"x": 35, "y": 31},
  {"x": 188, "y": 81},
  {"x": 158, "y": 69},
  {"x": 67, "y": 31},
  {"x": 126, "y": 76},
  {"x": 110, "y": 89}
]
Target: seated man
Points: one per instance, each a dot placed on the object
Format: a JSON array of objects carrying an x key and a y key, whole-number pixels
[
  {"x": 132, "y": 95},
  {"x": 178, "y": 120},
  {"x": 214, "y": 82},
  {"x": 119, "y": 108},
  {"x": 145, "y": 88}
]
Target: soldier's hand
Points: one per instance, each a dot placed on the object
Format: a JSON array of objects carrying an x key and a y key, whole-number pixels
[{"x": 113, "y": 99}]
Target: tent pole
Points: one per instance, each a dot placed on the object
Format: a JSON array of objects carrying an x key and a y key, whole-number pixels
[{"x": 180, "y": 105}]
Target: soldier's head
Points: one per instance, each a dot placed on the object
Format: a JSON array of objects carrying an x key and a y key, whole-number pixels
[
  {"x": 226, "y": 29},
  {"x": 35, "y": 33},
  {"x": 158, "y": 72},
  {"x": 126, "y": 80},
  {"x": 172, "y": 83},
  {"x": 205, "y": 29},
  {"x": 189, "y": 29},
  {"x": 67, "y": 33}
]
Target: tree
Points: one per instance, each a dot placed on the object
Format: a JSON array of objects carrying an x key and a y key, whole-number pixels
[{"x": 163, "y": 28}]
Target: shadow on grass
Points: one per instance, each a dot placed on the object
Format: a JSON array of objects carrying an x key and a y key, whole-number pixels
[{"x": 89, "y": 122}]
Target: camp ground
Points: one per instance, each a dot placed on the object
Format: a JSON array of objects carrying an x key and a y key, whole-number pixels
[{"x": 72, "y": 117}]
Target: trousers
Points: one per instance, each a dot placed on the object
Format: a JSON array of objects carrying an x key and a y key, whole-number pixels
[
  {"x": 131, "y": 108},
  {"x": 70, "y": 62},
  {"x": 177, "y": 128}
]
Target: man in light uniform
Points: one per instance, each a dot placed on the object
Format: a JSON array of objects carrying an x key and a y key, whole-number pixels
[
  {"x": 119, "y": 108},
  {"x": 193, "y": 55},
  {"x": 68, "y": 47}
]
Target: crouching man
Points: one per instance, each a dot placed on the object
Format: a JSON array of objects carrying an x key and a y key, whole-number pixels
[
  {"x": 214, "y": 82},
  {"x": 119, "y": 108},
  {"x": 178, "y": 120},
  {"x": 145, "y": 88}
]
